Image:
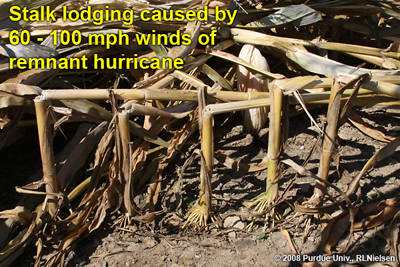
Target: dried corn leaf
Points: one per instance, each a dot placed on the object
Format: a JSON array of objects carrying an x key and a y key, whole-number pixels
[
  {"x": 259, "y": 73},
  {"x": 389, "y": 208},
  {"x": 17, "y": 251},
  {"x": 181, "y": 110},
  {"x": 19, "y": 214},
  {"x": 107, "y": 195},
  {"x": 238, "y": 166},
  {"x": 332, "y": 233},
  {"x": 292, "y": 245},
  {"x": 161, "y": 80},
  {"x": 20, "y": 89},
  {"x": 385, "y": 62},
  {"x": 78, "y": 157},
  {"x": 139, "y": 157},
  {"x": 294, "y": 84},
  {"x": 9, "y": 100},
  {"x": 392, "y": 236},
  {"x": 320, "y": 65},
  {"x": 88, "y": 107},
  {"x": 188, "y": 78},
  {"x": 32, "y": 77},
  {"x": 16, "y": 246},
  {"x": 150, "y": 170},
  {"x": 377, "y": 101},
  {"x": 147, "y": 135},
  {"x": 176, "y": 143},
  {"x": 31, "y": 50},
  {"x": 160, "y": 50},
  {"x": 297, "y": 15},
  {"x": 256, "y": 38},
  {"x": 356, "y": 120},
  {"x": 66, "y": 245},
  {"x": 182, "y": 51},
  {"x": 322, "y": 209},
  {"x": 339, "y": 224},
  {"x": 212, "y": 74},
  {"x": 381, "y": 154}
]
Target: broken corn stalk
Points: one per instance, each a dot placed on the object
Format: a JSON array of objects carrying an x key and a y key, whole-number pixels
[
  {"x": 261, "y": 202},
  {"x": 123, "y": 124},
  {"x": 254, "y": 119},
  {"x": 202, "y": 211},
  {"x": 47, "y": 155},
  {"x": 328, "y": 146}
]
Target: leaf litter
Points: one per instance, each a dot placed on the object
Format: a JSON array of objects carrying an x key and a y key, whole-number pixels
[{"x": 131, "y": 166}]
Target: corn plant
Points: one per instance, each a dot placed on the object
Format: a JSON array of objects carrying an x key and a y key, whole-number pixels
[{"x": 116, "y": 162}]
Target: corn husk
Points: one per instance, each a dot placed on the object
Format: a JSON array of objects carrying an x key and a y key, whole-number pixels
[{"x": 254, "y": 119}]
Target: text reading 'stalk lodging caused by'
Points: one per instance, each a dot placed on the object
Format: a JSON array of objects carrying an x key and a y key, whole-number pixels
[
  {"x": 44, "y": 13},
  {"x": 98, "y": 17}
]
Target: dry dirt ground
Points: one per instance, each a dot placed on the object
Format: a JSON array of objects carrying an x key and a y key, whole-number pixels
[{"x": 163, "y": 243}]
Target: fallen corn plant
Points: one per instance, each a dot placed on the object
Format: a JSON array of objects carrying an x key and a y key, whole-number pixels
[
  {"x": 121, "y": 165},
  {"x": 262, "y": 201},
  {"x": 332, "y": 125}
]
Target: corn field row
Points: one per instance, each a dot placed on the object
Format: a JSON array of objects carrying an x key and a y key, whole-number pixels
[{"x": 277, "y": 59}]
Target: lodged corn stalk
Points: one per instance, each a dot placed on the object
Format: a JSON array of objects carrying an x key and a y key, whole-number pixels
[
  {"x": 202, "y": 211},
  {"x": 255, "y": 118},
  {"x": 119, "y": 167},
  {"x": 331, "y": 132},
  {"x": 124, "y": 136},
  {"x": 328, "y": 145},
  {"x": 47, "y": 156},
  {"x": 261, "y": 202}
]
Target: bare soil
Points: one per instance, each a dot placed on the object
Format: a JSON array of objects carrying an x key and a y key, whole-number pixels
[{"x": 164, "y": 243}]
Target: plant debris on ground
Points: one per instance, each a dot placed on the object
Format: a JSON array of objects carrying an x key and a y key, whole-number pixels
[{"x": 274, "y": 143}]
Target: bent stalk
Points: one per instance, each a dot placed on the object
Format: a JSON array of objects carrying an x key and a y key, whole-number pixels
[
  {"x": 261, "y": 202},
  {"x": 333, "y": 117},
  {"x": 123, "y": 124},
  {"x": 202, "y": 212},
  {"x": 47, "y": 155},
  {"x": 328, "y": 143}
]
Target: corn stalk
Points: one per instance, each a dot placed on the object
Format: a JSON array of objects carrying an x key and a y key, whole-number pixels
[
  {"x": 202, "y": 211},
  {"x": 47, "y": 156},
  {"x": 274, "y": 142},
  {"x": 124, "y": 132},
  {"x": 207, "y": 168},
  {"x": 261, "y": 202},
  {"x": 329, "y": 144}
]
